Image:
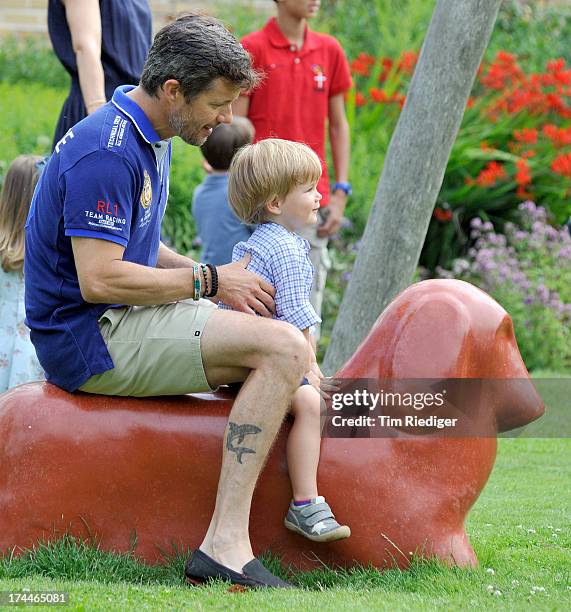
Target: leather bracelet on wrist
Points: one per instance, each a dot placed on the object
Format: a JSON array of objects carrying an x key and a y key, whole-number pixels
[
  {"x": 205, "y": 276},
  {"x": 214, "y": 278}
]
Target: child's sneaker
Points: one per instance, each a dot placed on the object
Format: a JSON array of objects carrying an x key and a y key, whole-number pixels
[{"x": 315, "y": 521}]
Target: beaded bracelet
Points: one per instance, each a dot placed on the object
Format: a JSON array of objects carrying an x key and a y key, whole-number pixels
[
  {"x": 214, "y": 275},
  {"x": 197, "y": 283},
  {"x": 205, "y": 276}
]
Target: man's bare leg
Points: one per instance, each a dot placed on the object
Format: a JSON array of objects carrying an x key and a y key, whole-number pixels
[{"x": 272, "y": 358}]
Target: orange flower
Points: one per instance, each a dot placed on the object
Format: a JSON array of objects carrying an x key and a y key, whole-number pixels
[
  {"x": 378, "y": 95},
  {"x": 562, "y": 165},
  {"x": 555, "y": 65},
  {"x": 528, "y": 153},
  {"x": 360, "y": 67},
  {"x": 522, "y": 194},
  {"x": 502, "y": 72},
  {"x": 560, "y": 137},
  {"x": 526, "y": 135},
  {"x": 360, "y": 99},
  {"x": 491, "y": 174},
  {"x": 367, "y": 59},
  {"x": 444, "y": 216},
  {"x": 523, "y": 174},
  {"x": 407, "y": 61},
  {"x": 387, "y": 64}
]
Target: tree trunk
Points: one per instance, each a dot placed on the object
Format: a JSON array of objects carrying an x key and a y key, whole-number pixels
[{"x": 414, "y": 168}]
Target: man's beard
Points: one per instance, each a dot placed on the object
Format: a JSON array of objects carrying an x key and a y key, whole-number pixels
[{"x": 177, "y": 123}]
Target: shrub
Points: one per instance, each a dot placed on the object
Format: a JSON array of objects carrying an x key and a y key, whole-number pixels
[
  {"x": 29, "y": 114},
  {"x": 528, "y": 271},
  {"x": 514, "y": 142},
  {"x": 31, "y": 59}
]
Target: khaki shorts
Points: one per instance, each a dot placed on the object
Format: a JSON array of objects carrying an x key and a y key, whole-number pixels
[{"x": 155, "y": 349}]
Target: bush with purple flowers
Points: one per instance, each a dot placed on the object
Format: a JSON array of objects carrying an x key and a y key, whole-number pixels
[{"x": 527, "y": 269}]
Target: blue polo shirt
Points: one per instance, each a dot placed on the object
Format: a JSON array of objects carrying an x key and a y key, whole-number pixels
[{"x": 108, "y": 179}]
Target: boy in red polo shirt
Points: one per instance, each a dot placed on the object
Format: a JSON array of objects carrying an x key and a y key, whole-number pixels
[{"x": 306, "y": 77}]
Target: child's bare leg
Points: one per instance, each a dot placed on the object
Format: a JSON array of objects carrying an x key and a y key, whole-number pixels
[
  {"x": 309, "y": 514},
  {"x": 304, "y": 443}
]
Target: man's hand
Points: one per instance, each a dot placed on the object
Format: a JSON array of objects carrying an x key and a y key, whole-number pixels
[
  {"x": 243, "y": 290},
  {"x": 335, "y": 212}
]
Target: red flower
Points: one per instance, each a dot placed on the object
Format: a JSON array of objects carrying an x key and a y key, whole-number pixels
[
  {"x": 502, "y": 72},
  {"x": 407, "y": 61},
  {"x": 563, "y": 78},
  {"x": 560, "y": 137},
  {"x": 523, "y": 175},
  {"x": 526, "y": 135},
  {"x": 522, "y": 194},
  {"x": 444, "y": 216},
  {"x": 555, "y": 65},
  {"x": 362, "y": 64},
  {"x": 360, "y": 99},
  {"x": 360, "y": 67},
  {"x": 378, "y": 95},
  {"x": 491, "y": 174},
  {"x": 562, "y": 165},
  {"x": 367, "y": 59}
]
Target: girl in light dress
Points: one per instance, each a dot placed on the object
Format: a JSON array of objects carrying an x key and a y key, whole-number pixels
[{"x": 18, "y": 361}]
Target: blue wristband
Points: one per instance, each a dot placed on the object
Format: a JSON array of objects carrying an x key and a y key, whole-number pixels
[{"x": 346, "y": 187}]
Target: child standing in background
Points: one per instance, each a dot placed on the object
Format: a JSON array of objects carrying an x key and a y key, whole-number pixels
[
  {"x": 219, "y": 229},
  {"x": 301, "y": 98},
  {"x": 18, "y": 361},
  {"x": 274, "y": 183}
]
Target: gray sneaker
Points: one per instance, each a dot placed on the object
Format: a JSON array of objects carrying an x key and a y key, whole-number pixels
[{"x": 315, "y": 521}]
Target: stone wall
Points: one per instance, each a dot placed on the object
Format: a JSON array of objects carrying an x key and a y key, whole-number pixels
[{"x": 29, "y": 16}]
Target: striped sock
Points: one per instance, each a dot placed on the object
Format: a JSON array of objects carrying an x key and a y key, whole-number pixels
[{"x": 301, "y": 502}]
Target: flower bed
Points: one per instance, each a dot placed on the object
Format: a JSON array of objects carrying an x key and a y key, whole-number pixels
[
  {"x": 514, "y": 143},
  {"x": 528, "y": 270}
]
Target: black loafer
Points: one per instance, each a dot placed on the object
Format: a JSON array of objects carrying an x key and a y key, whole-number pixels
[{"x": 200, "y": 567}]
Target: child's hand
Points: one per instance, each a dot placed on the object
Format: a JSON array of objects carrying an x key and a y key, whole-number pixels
[{"x": 324, "y": 385}]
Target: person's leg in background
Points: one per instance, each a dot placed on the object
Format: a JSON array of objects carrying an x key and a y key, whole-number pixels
[{"x": 321, "y": 261}]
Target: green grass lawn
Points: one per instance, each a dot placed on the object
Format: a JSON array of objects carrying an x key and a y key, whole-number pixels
[{"x": 519, "y": 529}]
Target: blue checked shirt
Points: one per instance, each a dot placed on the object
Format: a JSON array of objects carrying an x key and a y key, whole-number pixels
[{"x": 281, "y": 258}]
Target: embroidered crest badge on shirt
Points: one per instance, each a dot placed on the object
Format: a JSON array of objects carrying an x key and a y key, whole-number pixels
[
  {"x": 147, "y": 193},
  {"x": 319, "y": 77}
]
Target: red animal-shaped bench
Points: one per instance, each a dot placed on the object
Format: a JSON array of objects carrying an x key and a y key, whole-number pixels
[{"x": 116, "y": 469}]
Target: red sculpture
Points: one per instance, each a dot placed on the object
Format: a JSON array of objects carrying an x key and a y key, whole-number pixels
[{"x": 145, "y": 470}]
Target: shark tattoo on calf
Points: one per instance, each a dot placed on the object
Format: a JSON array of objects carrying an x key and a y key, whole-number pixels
[{"x": 237, "y": 433}]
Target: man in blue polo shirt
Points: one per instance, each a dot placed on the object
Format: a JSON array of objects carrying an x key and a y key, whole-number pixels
[{"x": 110, "y": 306}]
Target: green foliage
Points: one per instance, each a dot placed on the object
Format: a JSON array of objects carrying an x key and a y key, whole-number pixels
[
  {"x": 31, "y": 59},
  {"x": 536, "y": 31},
  {"x": 243, "y": 19},
  {"x": 29, "y": 114},
  {"x": 528, "y": 271},
  {"x": 382, "y": 27},
  {"x": 179, "y": 230}
]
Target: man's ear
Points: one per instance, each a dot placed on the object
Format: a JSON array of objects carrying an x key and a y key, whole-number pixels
[
  {"x": 171, "y": 90},
  {"x": 274, "y": 207}
]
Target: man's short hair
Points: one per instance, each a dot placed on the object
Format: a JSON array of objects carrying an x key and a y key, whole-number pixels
[
  {"x": 225, "y": 140},
  {"x": 196, "y": 50},
  {"x": 266, "y": 171}
]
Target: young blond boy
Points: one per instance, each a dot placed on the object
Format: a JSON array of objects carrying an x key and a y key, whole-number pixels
[{"x": 273, "y": 183}]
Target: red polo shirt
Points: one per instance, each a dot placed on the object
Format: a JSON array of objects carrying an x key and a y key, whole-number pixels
[{"x": 292, "y": 102}]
